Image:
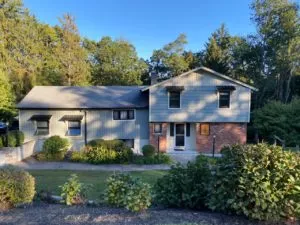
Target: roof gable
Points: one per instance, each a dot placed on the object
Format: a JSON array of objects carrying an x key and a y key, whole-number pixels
[{"x": 208, "y": 71}]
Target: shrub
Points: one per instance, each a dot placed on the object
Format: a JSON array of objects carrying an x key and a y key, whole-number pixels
[
  {"x": 54, "y": 148},
  {"x": 79, "y": 156},
  {"x": 16, "y": 186},
  {"x": 98, "y": 155},
  {"x": 125, "y": 191},
  {"x": 156, "y": 159},
  {"x": 15, "y": 138},
  {"x": 185, "y": 186},
  {"x": 115, "y": 145},
  {"x": 2, "y": 141},
  {"x": 125, "y": 156},
  {"x": 73, "y": 192},
  {"x": 259, "y": 181},
  {"x": 148, "y": 150}
]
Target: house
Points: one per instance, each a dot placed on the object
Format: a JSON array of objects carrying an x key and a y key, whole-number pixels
[{"x": 183, "y": 113}]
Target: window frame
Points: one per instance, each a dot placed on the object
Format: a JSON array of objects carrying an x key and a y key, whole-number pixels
[
  {"x": 219, "y": 98},
  {"x": 68, "y": 128},
  {"x": 154, "y": 131},
  {"x": 119, "y": 117},
  {"x": 37, "y": 133},
  {"x": 169, "y": 98},
  {"x": 206, "y": 134}
]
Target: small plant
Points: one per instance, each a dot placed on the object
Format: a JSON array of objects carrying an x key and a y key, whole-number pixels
[
  {"x": 98, "y": 155},
  {"x": 15, "y": 138},
  {"x": 148, "y": 150},
  {"x": 79, "y": 156},
  {"x": 54, "y": 148},
  {"x": 73, "y": 192},
  {"x": 156, "y": 159},
  {"x": 114, "y": 145},
  {"x": 16, "y": 187},
  {"x": 125, "y": 191}
]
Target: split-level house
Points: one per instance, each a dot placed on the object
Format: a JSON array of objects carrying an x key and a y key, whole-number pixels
[{"x": 187, "y": 113}]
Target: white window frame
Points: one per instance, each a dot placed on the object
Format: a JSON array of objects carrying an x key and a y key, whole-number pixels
[
  {"x": 67, "y": 133},
  {"x": 169, "y": 101},
  {"x": 134, "y": 114},
  {"x": 219, "y": 101},
  {"x": 36, "y": 128}
]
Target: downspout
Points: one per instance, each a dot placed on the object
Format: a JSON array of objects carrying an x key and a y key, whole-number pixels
[{"x": 85, "y": 129}]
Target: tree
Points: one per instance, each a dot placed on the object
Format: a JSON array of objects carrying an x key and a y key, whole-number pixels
[
  {"x": 170, "y": 60},
  {"x": 278, "y": 28},
  {"x": 72, "y": 56},
  {"x": 7, "y": 105},
  {"x": 115, "y": 63}
]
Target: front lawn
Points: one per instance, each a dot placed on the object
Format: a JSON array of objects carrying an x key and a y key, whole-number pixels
[{"x": 50, "y": 180}]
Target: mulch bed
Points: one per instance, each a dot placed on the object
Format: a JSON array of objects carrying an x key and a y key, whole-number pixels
[{"x": 44, "y": 213}]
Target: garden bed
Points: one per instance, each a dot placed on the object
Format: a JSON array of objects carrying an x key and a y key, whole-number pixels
[{"x": 42, "y": 213}]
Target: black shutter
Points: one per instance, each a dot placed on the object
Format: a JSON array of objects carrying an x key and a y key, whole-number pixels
[
  {"x": 188, "y": 129},
  {"x": 171, "y": 129}
]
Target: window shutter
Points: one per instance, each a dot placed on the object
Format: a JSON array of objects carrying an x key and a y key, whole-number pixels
[
  {"x": 188, "y": 129},
  {"x": 171, "y": 129}
]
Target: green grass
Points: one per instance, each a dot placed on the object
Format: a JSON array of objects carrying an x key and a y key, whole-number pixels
[{"x": 50, "y": 180}]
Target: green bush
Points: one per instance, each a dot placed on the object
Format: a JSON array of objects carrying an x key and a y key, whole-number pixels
[
  {"x": 148, "y": 150},
  {"x": 15, "y": 138},
  {"x": 156, "y": 159},
  {"x": 73, "y": 192},
  {"x": 185, "y": 186},
  {"x": 115, "y": 145},
  {"x": 2, "y": 141},
  {"x": 259, "y": 181},
  {"x": 98, "y": 155},
  {"x": 16, "y": 187},
  {"x": 79, "y": 156},
  {"x": 125, "y": 191},
  {"x": 125, "y": 156},
  {"x": 54, "y": 148}
]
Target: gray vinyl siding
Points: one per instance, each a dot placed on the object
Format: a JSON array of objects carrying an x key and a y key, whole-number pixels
[
  {"x": 100, "y": 124},
  {"x": 199, "y": 101}
]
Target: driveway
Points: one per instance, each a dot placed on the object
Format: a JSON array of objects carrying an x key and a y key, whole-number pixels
[{"x": 32, "y": 164}]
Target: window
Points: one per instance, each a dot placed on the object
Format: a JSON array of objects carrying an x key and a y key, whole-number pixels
[
  {"x": 188, "y": 129},
  {"x": 224, "y": 99},
  {"x": 157, "y": 128},
  {"x": 74, "y": 128},
  {"x": 204, "y": 129},
  {"x": 128, "y": 142},
  {"x": 123, "y": 114},
  {"x": 174, "y": 100},
  {"x": 171, "y": 129},
  {"x": 42, "y": 127}
]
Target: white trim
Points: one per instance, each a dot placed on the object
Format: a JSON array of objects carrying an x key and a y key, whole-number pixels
[
  {"x": 249, "y": 105},
  {"x": 207, "y": 70},
  {"x": 112, "y": 114},
  {"x": 179, "y": 101}
]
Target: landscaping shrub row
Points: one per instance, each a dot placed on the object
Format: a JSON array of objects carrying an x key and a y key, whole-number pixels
[
  {"x": 258, "y": 181},
  {"x": 13, "y": 138},
  {"x": 100, "y": 152}
]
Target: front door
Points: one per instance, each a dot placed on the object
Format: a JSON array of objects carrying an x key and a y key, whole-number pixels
[{"x": 179, "y": 134}]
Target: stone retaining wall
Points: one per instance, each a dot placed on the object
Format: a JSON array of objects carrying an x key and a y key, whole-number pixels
[{"x": 9, "y": 155}]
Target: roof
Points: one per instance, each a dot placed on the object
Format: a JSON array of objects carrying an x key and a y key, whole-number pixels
[
  {"x": 93, "y": 97},
  {"x": 40, "y": 117},
  {"x": 206, "y": 70}
]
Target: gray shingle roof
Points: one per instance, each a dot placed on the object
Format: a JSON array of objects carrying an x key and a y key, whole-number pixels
[{"x": 95, "y": 97}]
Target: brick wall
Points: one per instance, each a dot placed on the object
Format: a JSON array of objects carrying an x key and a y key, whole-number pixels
[
  {"x": 153, "y": 139},
  {"x": 226, "y": 134}
]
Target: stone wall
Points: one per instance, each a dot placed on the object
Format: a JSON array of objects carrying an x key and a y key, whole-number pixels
[
  {"x": 153, "y": 138},
  {"x": 226, "y": 134},
  {"x": 10, "y": 155}
]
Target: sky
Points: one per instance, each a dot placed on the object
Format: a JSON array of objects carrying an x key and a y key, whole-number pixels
[{"x": 149, "y": 25}]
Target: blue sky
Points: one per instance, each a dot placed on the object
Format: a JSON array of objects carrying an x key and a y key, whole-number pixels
[{"x": 149, "y": 24}]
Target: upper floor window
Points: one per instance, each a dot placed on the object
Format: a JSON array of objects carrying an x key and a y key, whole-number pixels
[
  {"x": 224, "y": 99},
  {"x": 42, "y": 127},
  {"x": 174, "y": 100},
  {"x": 123, "y": 114},
  {"x": 74, "y": 128}
]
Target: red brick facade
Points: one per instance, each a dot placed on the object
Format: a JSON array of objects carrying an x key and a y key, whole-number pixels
[
  {"x": 153, "y": 139},
  {"x": 226, "y": 134}
]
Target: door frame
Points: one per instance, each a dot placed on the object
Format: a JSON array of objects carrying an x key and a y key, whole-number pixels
[{"x": 175, "y": 135}]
